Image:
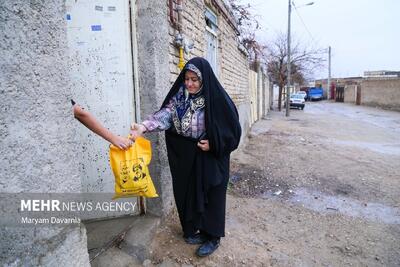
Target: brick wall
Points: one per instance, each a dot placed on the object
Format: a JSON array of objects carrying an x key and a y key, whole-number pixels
[
  {"x": 232, "y": 64},
  {"x": 192, "y": 28}
]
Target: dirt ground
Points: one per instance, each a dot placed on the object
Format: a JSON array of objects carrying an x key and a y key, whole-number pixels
[{"x": 319, "y": 188}]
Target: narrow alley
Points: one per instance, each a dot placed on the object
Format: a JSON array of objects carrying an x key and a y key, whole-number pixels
[{"x": 319, "y": 188}]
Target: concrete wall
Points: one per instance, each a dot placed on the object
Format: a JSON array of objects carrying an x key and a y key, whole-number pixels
[
  {"x": 154, "y": 84},
  {"x": 381, "y": 92},
  {"x": 37, "y": 129}
]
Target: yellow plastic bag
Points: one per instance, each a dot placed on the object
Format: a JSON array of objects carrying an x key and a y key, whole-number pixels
[{"x": 130, "y": 170}]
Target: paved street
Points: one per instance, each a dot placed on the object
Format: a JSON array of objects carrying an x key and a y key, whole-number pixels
[{"x": 320, "y": 188}]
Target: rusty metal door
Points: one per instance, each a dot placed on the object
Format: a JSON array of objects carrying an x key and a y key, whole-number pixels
[
  {"x": 332, "y": 91},
  {"x": 358, "y": 95},
  {"x": 340, "y": 94}
]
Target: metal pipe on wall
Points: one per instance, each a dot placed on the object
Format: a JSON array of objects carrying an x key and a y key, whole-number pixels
[
  {"x": 171, "y": 13},
  {"x": 179, "y": 37},
  {"x": 179, "y": 10}
]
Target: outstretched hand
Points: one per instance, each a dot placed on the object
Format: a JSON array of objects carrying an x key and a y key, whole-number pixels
[
  {"x": 121, "y": 142},
  {"x": 87, "y": 119},
  {"x": 137, "y": 130}
]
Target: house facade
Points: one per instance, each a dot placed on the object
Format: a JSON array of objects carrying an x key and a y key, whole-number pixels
[
  {"x": 377, "y": 89},
  {"x": 117, "y": 59}
]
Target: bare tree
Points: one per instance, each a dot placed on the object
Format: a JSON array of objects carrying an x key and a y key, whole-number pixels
[
  {"x": 304, "y": 61},
  {"x": 247, "y": 26}
]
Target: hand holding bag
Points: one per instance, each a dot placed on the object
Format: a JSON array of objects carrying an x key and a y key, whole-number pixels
[{"x": 131, "y": 172}]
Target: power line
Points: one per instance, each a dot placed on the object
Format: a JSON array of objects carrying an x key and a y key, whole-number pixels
[{"x": 305, "y": 26}]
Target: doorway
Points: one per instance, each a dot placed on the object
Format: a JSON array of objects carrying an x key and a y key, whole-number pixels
[
  {"x": 339, "y": 94},
  {"x": 99, "y": 35}
]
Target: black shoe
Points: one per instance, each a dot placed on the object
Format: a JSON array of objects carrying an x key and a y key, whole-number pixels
[
  {"x": 197, "y": 239},
  {"x": 208, "y": 248}
]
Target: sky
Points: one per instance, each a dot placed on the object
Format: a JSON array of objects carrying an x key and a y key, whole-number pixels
[{"x": 363, "y": 34}]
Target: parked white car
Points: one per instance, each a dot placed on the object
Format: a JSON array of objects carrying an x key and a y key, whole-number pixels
[
  {"x": 304, "y": 94},
  {"x": 296, "y": 101}
]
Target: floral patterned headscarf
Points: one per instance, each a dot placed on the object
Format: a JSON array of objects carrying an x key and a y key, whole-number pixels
[{"x": 193, "y": 68}]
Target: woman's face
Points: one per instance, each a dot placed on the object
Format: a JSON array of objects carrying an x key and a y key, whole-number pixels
[{"x": 192, "y": 82}]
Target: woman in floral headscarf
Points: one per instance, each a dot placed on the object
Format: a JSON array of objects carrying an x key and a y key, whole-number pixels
[{"x": 202, "y": 128}]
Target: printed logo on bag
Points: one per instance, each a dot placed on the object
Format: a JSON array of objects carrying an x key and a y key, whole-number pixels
[
  {"x": 138, "y": 172},
  {"x": 132, "y": 171}
]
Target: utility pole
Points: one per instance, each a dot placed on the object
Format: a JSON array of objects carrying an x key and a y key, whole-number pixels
[
  {"x": 288, "y": 61},
  {"x": 328, "y": 91}
]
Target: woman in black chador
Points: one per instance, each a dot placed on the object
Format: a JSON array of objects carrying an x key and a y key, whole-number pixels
[{"x": 202, "y": 128}]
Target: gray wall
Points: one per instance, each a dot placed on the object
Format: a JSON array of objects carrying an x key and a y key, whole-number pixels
[
  {"x": 153, "y": 61},
  {"x": 36, "y": 128},
  {"x": 381, "y": 92}
]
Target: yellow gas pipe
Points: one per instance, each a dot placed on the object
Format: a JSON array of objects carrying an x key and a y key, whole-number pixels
[{"x": 181, "y": 63}]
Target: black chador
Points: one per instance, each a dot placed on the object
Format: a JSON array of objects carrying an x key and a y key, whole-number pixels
[{"x": 200, "y": 178}]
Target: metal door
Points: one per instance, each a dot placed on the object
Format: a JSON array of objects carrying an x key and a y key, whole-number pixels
[
  {"x": 100, "y": 56},
  {"x": 339, "y": 94},
  {"x": 332, "y": 91},
  {"x": 358, "y": 95}
]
